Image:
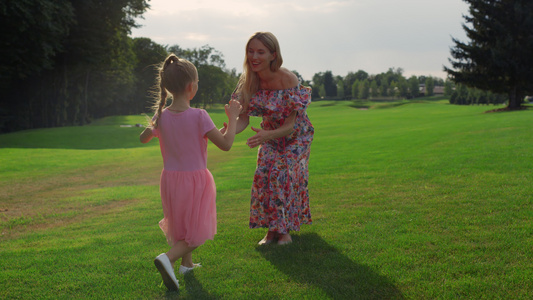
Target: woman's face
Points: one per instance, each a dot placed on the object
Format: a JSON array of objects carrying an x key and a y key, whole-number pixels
[{"x": 259, "y": 57}]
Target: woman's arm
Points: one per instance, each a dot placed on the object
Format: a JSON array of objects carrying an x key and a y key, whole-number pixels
[
  {"x": 146, "y": 135},
  {"x": 264, "y": 135},
  {"x": 242, "y": 123}
]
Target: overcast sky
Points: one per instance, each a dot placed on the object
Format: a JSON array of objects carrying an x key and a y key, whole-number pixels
[{"x": 317, "y": 35}]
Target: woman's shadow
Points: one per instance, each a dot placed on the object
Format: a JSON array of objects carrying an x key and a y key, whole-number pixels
[{"x": 311, "y": 260}]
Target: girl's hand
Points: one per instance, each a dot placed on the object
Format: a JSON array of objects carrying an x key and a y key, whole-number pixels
[
  {"x": 259, "y": 138},
  {"x": 233, "y": 109},
  {"x": 146, "y": 135},
  {"x": 224, "y": 129}
]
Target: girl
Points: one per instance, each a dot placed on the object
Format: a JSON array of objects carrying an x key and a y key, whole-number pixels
[{"x": 187, "y": 188}]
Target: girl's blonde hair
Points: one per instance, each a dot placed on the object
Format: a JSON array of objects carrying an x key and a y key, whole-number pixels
[
  {"x": 249, "y": 81},
  {"x": 174, "y": 75}
]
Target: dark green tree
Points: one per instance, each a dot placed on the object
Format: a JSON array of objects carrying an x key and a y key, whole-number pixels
[
  {"x": 361, "y": 75},
  {"x": 384, "y": 88},
  {"x": 318, "y": 85},
  {"x": 33, "y": 33},
  {"x": 149, "y": 56},
  {"x": 374, "y": 89},
  {"x": 329, "y": 84},
  {"x": 414, "y": 86},
  {"x": 355, "y": 89},
  {"x": 70, "y": 61},
  {"x": 340, "y": 89},
  {"x": 499, "y": 54},
  {"x": 216, "y": 83}
]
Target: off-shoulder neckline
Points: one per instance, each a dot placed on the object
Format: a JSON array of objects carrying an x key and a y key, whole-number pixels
[{"x": 279, "y": 90}]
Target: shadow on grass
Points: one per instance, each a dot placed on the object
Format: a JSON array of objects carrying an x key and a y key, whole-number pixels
[
  {"x": 75, "y": 137},
  {"x": 194, "y": 288},
  {"x": 311, "y": 260}
]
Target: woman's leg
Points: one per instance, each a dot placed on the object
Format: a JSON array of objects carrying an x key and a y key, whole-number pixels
[
  {"x": 269, "y": 238},
  {"x": 284, "y": 239}
]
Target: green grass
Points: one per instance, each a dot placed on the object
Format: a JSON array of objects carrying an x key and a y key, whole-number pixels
[{"x": 409, "y": 200}]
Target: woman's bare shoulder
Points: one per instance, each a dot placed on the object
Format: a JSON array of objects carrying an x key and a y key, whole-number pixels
[{"x": 288, "y": 78}]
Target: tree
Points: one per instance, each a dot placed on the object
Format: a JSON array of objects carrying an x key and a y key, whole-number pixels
[
  {"x": 403, "y": 87},
  {"x": 364, "y": 89},
  {"x": 499, "y": 55},
  {"x": 318, "y": 85},
  {"x": 68, "y": 67},
  {"x": 329, "y": 84},
  {"x": 430, "y": 86},
  {"x": 414, "y": 86},
  {"x": 149, "y": 55},
  {"x": 216, "y": 83},
  {"x": 384, "y": 88},
  {"x": 340, "y": 89},
  {"x": 355, "y": 89},
  {"x": 374, "y": 89},
  {"x": 32, "y": 35},
  {"x": 448, "y": 87},
  {"x": 361, "y": 75}
]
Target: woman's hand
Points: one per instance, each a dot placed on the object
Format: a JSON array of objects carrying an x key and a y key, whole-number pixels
[{"x": 259, "y": 138}]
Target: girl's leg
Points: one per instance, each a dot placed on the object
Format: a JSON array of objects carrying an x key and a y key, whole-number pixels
[
  {"x": 186, "y": 260},
  {"x": 186, "y": 264},
  {"x": 180, "y": 250}
]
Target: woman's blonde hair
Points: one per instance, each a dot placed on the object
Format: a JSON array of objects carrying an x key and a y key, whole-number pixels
[
  {"x": 174, "y": 75},
  {"x": 249, "y": 81}
]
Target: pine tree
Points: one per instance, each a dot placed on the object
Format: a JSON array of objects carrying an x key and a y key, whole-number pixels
[{"x": 499, "y": 55}]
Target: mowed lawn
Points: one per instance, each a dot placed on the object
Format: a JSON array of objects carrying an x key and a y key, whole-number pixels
[{"x": 422, "y": 200}]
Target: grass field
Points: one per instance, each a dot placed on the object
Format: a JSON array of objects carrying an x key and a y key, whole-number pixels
[{"x": 409, "y": 201}]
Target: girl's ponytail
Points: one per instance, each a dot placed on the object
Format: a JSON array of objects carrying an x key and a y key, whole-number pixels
[{"x": 174, "y": 75}]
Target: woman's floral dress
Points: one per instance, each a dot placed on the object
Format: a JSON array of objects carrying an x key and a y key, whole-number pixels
[{"x": 280, "y": 198}]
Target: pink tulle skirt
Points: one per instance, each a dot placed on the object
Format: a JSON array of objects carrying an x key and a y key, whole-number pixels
[{"x": 189, "y": 206}]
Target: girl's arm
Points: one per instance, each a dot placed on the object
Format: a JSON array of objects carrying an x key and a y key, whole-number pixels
[
  {"x": 146, "y": 135},
  {"x": 264, "y": 135},
  {"x": 224, "y": 141}
]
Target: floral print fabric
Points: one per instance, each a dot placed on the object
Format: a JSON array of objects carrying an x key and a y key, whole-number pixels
[{"x": 280, "y": 197}]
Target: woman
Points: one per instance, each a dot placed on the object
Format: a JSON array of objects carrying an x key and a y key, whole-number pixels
[{"x": 280, "y": 198}]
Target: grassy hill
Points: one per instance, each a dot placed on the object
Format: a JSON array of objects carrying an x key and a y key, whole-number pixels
[{"x": 409, "y": 200}]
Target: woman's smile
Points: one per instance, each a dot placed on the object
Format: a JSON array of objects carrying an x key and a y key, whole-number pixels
[{"x": 259, "y": 57}]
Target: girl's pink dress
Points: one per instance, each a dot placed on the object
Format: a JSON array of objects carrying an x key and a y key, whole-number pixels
[{"x": 187, "y": 187}]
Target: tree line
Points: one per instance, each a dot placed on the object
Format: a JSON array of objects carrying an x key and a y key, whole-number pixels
[
  {"x": 386, "y": 85},
  {"x": 66, "y": 63}
]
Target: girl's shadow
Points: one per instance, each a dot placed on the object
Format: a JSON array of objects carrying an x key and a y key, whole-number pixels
[
  {"x": 311, "y": 260},
  {"x": 194, "y": 288}
]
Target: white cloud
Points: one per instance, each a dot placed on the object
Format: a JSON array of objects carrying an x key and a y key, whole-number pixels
[{"x": 317, "y": 35}]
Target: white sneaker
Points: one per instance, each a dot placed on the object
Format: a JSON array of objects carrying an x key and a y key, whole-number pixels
[
  {"x": 164, "y": 266},
  {"x": 184, "y": 269}
]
